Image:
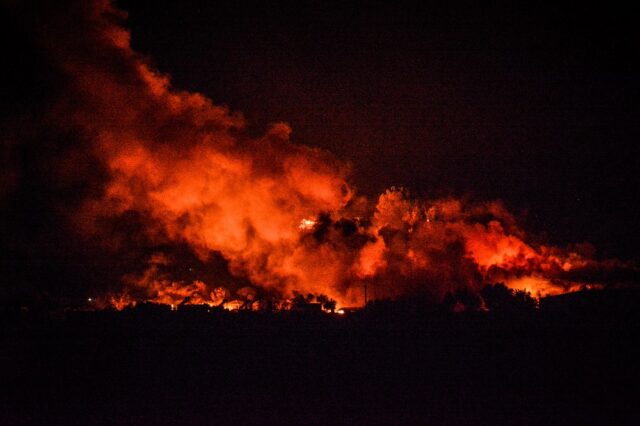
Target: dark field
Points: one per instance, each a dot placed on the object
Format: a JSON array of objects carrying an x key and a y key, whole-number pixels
[{"x": 390, "y": 365}]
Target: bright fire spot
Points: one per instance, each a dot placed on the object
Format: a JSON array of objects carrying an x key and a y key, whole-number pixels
[
  {"x": 233, "y": 305},
  {"x": 537, "y": 286},
  {"x": 306, "y": 224},
  {"x": 340, "y": 311}
]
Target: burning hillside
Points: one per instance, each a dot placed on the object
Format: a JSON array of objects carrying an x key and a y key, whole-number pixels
[{"x": 184, "y": 179}]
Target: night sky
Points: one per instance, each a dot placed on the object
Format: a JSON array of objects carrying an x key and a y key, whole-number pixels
[{"x": 536, "y": 106}]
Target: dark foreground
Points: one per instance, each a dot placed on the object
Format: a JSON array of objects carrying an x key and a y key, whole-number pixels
[{"x": 382, "y": 367}]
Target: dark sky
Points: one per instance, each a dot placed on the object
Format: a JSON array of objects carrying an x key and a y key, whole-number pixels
[{"x": 537, "y": 106}]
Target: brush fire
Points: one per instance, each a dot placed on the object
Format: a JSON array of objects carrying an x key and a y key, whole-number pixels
[{"x": 278, "y": 219}]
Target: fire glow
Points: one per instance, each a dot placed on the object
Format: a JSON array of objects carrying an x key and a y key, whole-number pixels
[{"x": 283, "y": 216}]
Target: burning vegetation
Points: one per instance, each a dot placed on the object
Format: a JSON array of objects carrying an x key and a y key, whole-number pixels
[{"x": 262, "y": 220}]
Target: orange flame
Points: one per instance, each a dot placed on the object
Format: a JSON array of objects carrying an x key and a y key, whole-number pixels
[{"x": 192, "y": 176}]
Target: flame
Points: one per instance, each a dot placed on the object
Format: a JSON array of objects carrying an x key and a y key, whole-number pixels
[
  {"x": 190, "y": 175},
  {"x": 306, "y": 224}
]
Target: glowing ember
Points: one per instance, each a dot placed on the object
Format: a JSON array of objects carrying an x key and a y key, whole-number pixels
[{"x": 306, "y": 224}]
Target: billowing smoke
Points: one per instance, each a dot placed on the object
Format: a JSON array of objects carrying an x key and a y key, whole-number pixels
[{"x": 181, "y": 183}]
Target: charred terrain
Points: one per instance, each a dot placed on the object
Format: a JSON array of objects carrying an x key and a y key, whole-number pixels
[{"x": 569, "y": 361}]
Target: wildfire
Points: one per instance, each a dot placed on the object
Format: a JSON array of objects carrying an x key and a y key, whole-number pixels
[{"x": 182, "y": 171}]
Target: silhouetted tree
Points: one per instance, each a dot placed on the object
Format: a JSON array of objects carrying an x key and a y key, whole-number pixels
[
  {"x": 500, "y": 298},
  {"x": 496, "y": 296},
  {"x": 469, "y": 299},
  {"x": 462, "y": 299},
  {"x": 327, "y": 303},
  {"x": 298, "y": 300},
  {"x": 524, "y": 300}
]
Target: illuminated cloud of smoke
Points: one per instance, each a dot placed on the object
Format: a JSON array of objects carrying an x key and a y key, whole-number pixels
[{"x": 283, "y": 215}]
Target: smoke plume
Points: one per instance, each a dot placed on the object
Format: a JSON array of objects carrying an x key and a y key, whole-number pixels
[{"x": 177, "y": 180}]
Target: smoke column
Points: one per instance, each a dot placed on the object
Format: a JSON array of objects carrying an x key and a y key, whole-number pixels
[{"x": 184, "y": 179}]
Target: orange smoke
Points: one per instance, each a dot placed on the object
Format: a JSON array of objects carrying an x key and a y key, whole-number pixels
[{"x": 283, "y": 215}]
